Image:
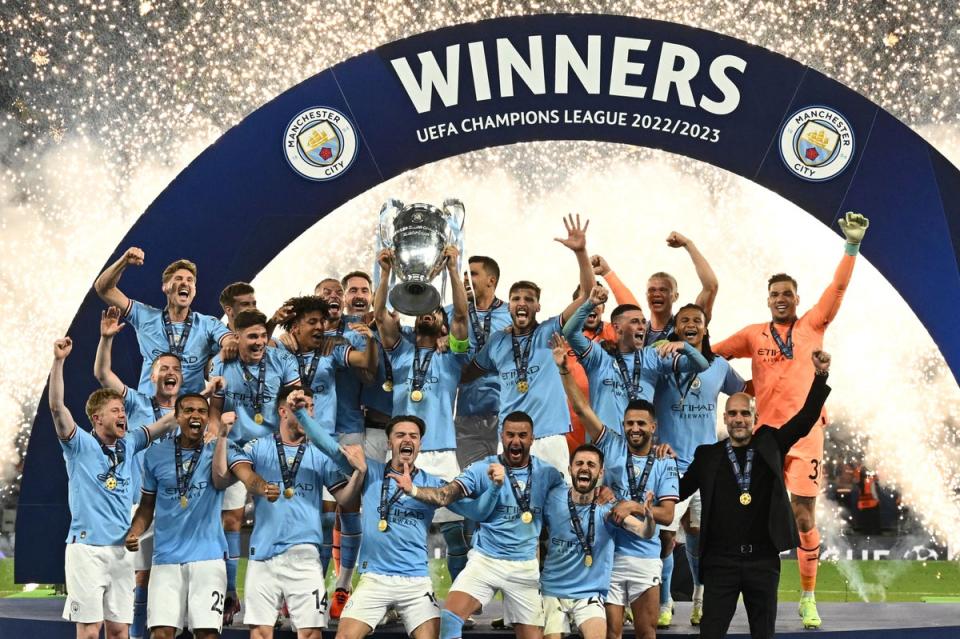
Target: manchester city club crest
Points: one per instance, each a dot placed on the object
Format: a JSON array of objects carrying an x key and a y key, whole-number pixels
[
  {"x": 816, "y": 143},
  {"x": 320, "y": 143}
]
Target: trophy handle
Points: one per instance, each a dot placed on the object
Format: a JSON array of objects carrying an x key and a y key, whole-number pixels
[
  {"x": 456, "y": 216},
  {"x": 388, "y": 212}
]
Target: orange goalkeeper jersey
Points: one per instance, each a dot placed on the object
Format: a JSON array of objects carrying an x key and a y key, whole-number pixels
[{"x": 780, "y": 384}]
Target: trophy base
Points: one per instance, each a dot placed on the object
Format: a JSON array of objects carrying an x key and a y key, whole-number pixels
[{"x": 414, "y": 298}]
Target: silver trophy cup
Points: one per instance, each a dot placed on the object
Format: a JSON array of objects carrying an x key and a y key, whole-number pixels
[{"x": 418, "y": 233}]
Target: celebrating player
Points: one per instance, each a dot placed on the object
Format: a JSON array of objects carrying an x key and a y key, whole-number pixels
[
  {"x": 191, "y": 336},
  {"x": 779, "y": 353},
  {"x": 576, "y": 574},
  {"x": 101, "y": 466},
  {"x": 521, "y": 356},
  {"x": 236, "y": 298},
  {"x": 686, "y": 406},
  {"x": 631, "y": 372},
  {"x": 631, "y": 470},
  {"x": 284, "y": 563},
  {"x": 662, "y": 291}
]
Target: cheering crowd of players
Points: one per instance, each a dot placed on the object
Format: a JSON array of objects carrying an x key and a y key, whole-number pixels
[{"x": 549, "y": 454}]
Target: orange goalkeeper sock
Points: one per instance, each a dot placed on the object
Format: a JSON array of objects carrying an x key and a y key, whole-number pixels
[
  {"x": 336, "y": 548},
  {"x": 808, "y": 556}
]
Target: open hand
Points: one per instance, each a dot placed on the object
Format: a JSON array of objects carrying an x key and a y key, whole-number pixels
[{"x": 576, "y": 239}]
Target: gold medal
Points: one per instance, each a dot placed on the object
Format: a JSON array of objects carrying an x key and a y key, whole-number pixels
[
  {"x": 258, "y": 418},
  {"x": 416, "y": 395},
  {"x": 183, "y": 501},
  {"x": 523, "y": 386},
  {"x": 388, "y": 387},
  {"x": 111, "y": 483},
  {"x": 382, "y": 525},
  {"x": 588, "y": 561},
  {"x": 526, "y": 517},
  {"x": 288, "y": 492},
  {"x": 745, "y": 499}
]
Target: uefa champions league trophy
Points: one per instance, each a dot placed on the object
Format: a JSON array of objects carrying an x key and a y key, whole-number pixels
[{"x": 418, "y": 233}]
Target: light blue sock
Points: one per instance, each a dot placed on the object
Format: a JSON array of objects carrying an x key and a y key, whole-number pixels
[
  {"x": 457, "y": 548},
  {"x": 233, "y": 558},
  {"x": 692, "y": 547},
  {"x": 139, "y": 625},
  {"x": 451, "y": 626},
  {"x": 666, "y": 578},
  {"x": 350, "y": 538},
  {"x": 327, "y": 521}
]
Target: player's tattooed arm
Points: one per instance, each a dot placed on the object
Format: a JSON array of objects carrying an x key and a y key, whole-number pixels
[
  {"x": 348, "y": 495},
  {"x": 443, "y": 496},
  {"x": 141, "y": 521},
  {"x": 254, "y": 482},
  {"x": 62, "y": 419},
  {"x": 387, "y": 323},
  {"x": 106, "y": 284}
]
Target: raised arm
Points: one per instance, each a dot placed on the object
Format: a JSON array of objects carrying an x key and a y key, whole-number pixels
[
  {"x": 458, "y": 324},
  {"x": 443, "y": 496},
  {"x": 800, "y": 424},
  {"x": 161, "y": 427},
  {"x": 573, "y": 328},
  {"x": 581, "y": 407},
  {"x": 387, "y": 323},
  {"x": 854, "y": 227},
  {"x": 709, "y": 284},
  {"x": 106, "y": 284},
  {"x": 576, "y": 241},
  {"x": 482, "y": 507},
  {"x": 62, "y": 419},
  {"x": 220, "y": 469},
  {"x": 297, "y": 403},
  {"x": 364, "y": 362},
  {"x": 348, "y": 495},
  {"x": 110, "y": 325},
  {"x": 621, "y": 293},
  {"x": 688, "y": 359}
]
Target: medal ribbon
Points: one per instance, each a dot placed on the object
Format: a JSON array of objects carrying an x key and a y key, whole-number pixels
[
  {"x": 261, "y": 381},
  {"x": 637, "y": 487},
  {"x": 116, "y": 458},
  {"x": 522, "y": 497},
  {"x": 684, "y": 388},
  {"x": 387, "y": 367},
  {"x": 521, "y": 358},
  {"x": 420, "y": 368},
  {"x": 157, "y": 415},
  {"x": 385, "y": 505},
  {"x": 184, "y": 477},
  {"x": 481, "y": 334},
  {"x": 289, "y": 474},
  {"x": 586, "y": 543},
  {"x": 307, "y": 374},
  {"x": 785, "y": 349},
  {"x": 743, "y": 478},
  {"x": 177, "y": 346},
  {"x": 632, "y": 383}
]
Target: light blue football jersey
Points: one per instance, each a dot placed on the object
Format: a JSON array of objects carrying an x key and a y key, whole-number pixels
[
  {"x": 240, "y": 395},
  {"x": 141, "y": 410},
  {"x": 100, "y": 516},
  {"x": 203, "y": 342},
  {"x": 481, "y": 397},
  {"x": 183, "y": 535},
  {"x": 323, "y": 383}
]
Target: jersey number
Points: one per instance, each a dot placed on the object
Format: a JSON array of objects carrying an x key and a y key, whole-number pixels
[
  {"x": 218, "y": 598},
  {"x": 816, "y": 469},
  {"x": 321, "y": 603}
]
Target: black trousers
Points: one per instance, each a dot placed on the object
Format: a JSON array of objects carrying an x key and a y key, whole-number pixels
[{"x": 725, "y": 578}]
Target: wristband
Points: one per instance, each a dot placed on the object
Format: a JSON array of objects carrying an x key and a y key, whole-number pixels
[
  {"x": 458, "y": 345},
  {"x": 413, "y": 493},
  {"x": 851, "y": 249}
]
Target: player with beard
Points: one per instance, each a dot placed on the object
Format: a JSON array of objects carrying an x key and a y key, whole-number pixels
[
  {"x": 345, "y": 531},
  {"x": 576, "y": 573},
  {"x": 632, "y": 469},
  {"x": 426, "y": 381},
  {"x": 100, "y": 469},
  {"x": 504, "y": 554},
  {"x": 631, "y": 371},
  {"x": 191, "y": 336},
  {"x": 284, "y": 564},
  {"x": 687, "y": 418},
  {"x": 779, "y": 352},
  {"x": 662, "y": 291},
  {"x": 182, "y": 497},
  {"x": 520, "y": 356},
  {"x": 596, "y": 330},
  {"x": 253, "y": 380},
  {"x": 305, "y": 339}
]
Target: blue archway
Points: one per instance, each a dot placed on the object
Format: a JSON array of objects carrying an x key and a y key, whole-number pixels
[{"x": 552, "y": 77}]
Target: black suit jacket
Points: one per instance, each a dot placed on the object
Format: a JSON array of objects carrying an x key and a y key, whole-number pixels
[{"x": 772, "y": 445}]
